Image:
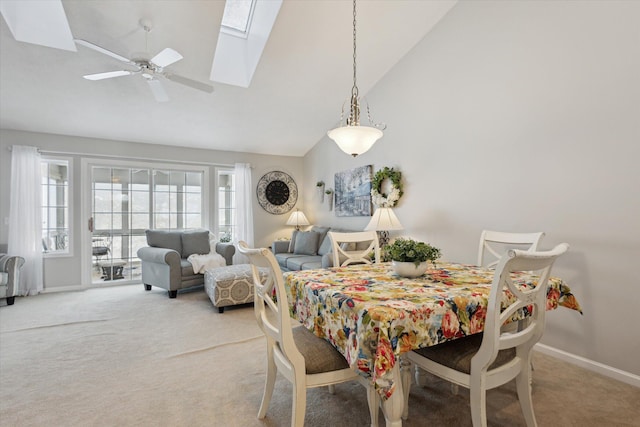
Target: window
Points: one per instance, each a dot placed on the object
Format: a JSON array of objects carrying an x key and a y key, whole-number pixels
[
  {"x": 177, "y": 199},
  {"x": 226, "y": 205},
  {"x": 129, "y": 198},
  {"x": 237, "y": 17},
  {"x": 55, "y": 205}
]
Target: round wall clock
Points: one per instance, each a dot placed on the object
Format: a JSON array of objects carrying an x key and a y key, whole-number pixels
[{"x": 277, "y": 192}]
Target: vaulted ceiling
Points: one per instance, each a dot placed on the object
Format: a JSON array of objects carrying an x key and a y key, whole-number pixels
[{"x": 297, "y": 91}]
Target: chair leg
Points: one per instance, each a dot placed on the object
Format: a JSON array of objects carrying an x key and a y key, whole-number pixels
[
  {"x": 11, "y": 300},
  {"x": 523, "y": 387},
  {"x": 455, "y": 389},
  {"x": 420, "y": 376},
  {"x": 405, "y": 376},
  {"x": 269, "y": 383},
  {"x": 173, "y": 294},
  {"x": 147, "y": 287},
  {"x": 373, "y": 399},
  {"x": 478, "y": 402},
  {"x": 299, "y": 402}
]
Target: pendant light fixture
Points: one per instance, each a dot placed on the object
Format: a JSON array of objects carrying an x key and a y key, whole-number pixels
[{"x": 351, "y": 137}]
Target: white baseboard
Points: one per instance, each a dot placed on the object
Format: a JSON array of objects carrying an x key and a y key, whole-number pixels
[
  {"x": 63, "y": 289},
  {"x": 591, "y": 365},
  {"x": 76, "y": 288}
]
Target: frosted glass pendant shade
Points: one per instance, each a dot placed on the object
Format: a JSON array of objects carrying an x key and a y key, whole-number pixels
[{"x": 355, "y": 140}]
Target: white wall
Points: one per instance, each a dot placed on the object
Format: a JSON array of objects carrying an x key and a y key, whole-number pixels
[
  {"x": 522, "y": 116},
  {"x": 65, "y": 272}
]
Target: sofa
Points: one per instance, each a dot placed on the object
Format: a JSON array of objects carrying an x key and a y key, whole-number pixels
[
  {"x": 10, "y": 276},
  {"x": 307, "y": 250},
  {"x": 164, "y": 261}
]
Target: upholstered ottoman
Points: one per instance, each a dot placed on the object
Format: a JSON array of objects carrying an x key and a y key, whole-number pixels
[{"x": 230, "y": 285}]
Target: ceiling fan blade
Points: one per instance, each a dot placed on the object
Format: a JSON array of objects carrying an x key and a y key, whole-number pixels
[
  {"x": 189, "y": 82},
  {"x": 158, "y": 90},
  {"x": 167, "y": 57},
  {"x": 103, "y": 50},
  {"x": 107, "y": 75}
]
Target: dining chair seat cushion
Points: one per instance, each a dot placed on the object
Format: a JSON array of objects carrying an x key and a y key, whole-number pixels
[
  {"x": 319, "y": 355},
  {"x": 100, "y": 251},
  {"x": 457, "y": 354}
]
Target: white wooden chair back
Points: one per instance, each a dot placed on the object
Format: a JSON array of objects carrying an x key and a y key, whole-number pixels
[
  {"x": 534, "y": 299},
  {"x": 493, "y": 244},
  {"x": 510, "y": 350},
  {"x": 272, "y": 314},
  {"x": 344, "y": 247},
  {"x": 283, "y": 354}
]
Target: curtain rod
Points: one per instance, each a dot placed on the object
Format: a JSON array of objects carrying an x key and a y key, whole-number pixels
[
  {"x": 111, "y": 156},
  {"x": 10, "y": 148}
]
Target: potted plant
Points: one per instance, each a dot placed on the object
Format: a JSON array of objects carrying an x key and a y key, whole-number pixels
[
  {"x": 410, "y": 258},
  {"x": 320, "y": 188},
  {"x": 329, "y": 193}
]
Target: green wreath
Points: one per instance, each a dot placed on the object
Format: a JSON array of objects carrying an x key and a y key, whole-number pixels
[{"x": 386, "y": 200}]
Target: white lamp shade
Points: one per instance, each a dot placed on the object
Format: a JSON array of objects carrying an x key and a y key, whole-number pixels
[
  {"x": 355, "y": 140},
  {"x": 384, "y": 219},
  {"x": 297, "y": 219}
]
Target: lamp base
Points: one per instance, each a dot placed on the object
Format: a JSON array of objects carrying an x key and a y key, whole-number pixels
[{"x": 383, "y": 238}]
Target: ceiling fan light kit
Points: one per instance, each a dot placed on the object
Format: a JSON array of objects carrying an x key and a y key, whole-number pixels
[
  {"x": 351, "y": 137},
  {"x": 149, "y": 69}
]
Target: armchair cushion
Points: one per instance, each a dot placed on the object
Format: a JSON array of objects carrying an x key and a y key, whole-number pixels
[
  {"x": 195, "y": 242},
  {"x": 165, "y": 239}
]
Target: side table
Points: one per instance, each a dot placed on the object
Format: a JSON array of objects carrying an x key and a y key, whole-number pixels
[{"x": 112, "y": 270}]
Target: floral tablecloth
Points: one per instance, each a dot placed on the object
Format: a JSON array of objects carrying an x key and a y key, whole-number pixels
[{"x": 372, "y": 316}]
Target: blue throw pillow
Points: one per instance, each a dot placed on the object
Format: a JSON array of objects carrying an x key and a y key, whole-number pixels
[{"x": 306, "y": 243}]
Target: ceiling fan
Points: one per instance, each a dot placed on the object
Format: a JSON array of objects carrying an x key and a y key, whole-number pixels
[{"x": 150, "y": 69}]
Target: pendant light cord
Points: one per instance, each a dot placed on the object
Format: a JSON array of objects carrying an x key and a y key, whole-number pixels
[{"x": 354, "y": 90}]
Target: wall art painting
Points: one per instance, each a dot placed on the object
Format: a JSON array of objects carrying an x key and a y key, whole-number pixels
[{"x": 353, "y": 192}]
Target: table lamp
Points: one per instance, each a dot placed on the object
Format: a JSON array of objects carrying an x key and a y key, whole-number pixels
[
  {"x": 382, "y": 221},
  {"x": 297, "y": 218}
]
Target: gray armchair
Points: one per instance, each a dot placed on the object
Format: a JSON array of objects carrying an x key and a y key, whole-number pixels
[
  {"x": 164, "y": 261},
  {"x": 10, "y": 276}
]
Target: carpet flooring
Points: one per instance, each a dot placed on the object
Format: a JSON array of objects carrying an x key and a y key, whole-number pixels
[{"x": 120, "y": 356}]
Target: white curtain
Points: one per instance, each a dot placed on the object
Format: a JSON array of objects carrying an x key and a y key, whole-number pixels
[
  {"x": 25, "y": 217},
  {"x": 244, "y": 211}
]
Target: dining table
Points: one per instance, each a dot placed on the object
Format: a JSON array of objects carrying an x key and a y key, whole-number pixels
[{"x": 373, "y": 316}]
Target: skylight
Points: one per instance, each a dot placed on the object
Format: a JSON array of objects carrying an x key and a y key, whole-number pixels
[
  {"x": 246, "y": 26},
  {"x": 237, "y": 16}
]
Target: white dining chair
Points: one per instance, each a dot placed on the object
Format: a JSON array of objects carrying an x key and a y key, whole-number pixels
[
  {"x": 493, "y": 244},
  {"x": 490, "y": 359},
  {"x": 304, "y": 359},
  {"x": 354, "y": 248}
]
